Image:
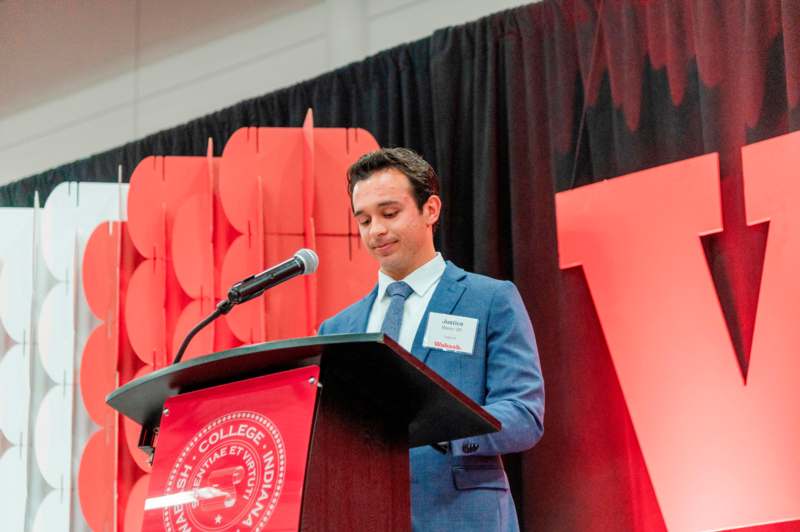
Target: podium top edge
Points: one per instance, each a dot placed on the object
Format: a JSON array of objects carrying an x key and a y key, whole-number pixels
[
  {"x": 116, "y": 397},
  {"x": 142, "y": 399}
]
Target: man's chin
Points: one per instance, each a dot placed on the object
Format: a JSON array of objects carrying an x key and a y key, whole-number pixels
[{"x": 390, "y": 268}]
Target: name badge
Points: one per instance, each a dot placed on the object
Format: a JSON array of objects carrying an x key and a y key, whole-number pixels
[{"x": 450, "y": 333}]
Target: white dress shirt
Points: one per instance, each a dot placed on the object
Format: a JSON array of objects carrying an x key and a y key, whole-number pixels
[{"x": 423, "y": 282}]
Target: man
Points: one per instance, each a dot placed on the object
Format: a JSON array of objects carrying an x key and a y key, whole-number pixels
[{"x": 493, "y": 360}]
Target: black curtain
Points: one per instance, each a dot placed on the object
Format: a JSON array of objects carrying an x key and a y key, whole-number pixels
[{"x": 514, "y": 108}]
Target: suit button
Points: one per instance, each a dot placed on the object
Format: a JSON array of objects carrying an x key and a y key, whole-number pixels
[{"x": 469, "y": 447}]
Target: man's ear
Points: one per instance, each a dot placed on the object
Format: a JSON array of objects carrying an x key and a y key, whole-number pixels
[{"x": 432, "y": 209}]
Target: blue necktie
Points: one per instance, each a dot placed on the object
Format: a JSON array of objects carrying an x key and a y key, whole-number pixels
[{"x": 398, "y": 291}]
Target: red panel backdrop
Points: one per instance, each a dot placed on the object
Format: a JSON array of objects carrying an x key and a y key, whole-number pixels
[{"x": 195, "y": 226}]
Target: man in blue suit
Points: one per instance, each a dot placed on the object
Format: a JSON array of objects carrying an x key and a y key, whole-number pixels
[{"x": 472, "y": 330}]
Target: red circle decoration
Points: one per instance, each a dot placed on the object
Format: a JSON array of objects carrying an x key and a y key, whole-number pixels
[
  {"x": 261, "y": 180},
  {"x": 134, "y": 507},
  {"x": 239, "y": 262},
  {"x": 147, "y": 207},
  {"x": 192, "y": 255},
  {"x": 131, "y": 431},
  {"x": 203, "y": 342},
  {"x": 238, "y": 187},
  {"x": 96, "y": 482},
  {"x": 100, "y": 263},
  {"x": 98, "y": 372},
  {"x": 144, "y": 310},
  {"x": 159, "y": 185}
]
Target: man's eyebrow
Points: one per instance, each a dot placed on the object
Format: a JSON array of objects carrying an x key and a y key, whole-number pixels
[{"x": 381, "y": 204}]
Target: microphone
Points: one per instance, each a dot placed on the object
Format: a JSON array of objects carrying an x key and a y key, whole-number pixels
[{"x": 303, "y": 262}]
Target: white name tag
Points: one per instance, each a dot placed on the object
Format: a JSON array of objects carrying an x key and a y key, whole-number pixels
[{"x": 450, "y": 333}]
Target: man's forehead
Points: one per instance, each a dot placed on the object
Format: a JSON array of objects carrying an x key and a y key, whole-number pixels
[
  {"x": 383, "y": 186},
  {"x": 386, "y": 178}
]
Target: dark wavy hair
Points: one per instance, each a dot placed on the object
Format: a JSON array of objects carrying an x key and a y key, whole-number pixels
[{"x": 421, "y": 175}]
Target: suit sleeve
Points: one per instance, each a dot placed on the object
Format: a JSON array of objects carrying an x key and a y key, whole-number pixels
[{"x": 514, "y": 383}]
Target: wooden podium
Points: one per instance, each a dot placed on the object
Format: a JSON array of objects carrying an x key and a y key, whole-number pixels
[{"x": 303, "y": 434}]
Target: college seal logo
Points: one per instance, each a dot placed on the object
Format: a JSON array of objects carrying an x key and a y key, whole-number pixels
[{"x": 231, "y": 473}]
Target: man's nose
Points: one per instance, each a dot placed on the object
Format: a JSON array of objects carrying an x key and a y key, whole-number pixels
[{"x": 377, "y": 228}]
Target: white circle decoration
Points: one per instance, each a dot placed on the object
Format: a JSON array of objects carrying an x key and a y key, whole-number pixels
[
  {"x": 14, "y": 395},
  {"x": 13, "y": 489},
  {"x": 53, "y": 513},
  {"x": 52, "y": 437},
  {"x": 17, "y": 224},
  {"x": 16, "y": 294},
  {"x": 60, "y": 230},
  {"x": 56, "y": 333}
]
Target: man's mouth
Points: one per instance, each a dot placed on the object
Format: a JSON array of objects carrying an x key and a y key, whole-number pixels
[{"x": 382, "y": 247}]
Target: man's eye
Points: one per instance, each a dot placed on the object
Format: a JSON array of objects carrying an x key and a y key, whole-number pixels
[
  {"x": 390, "y": 214},
  {"x": 363, "y": 221}
]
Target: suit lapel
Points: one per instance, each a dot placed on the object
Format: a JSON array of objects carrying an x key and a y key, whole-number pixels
[
  {"x": 444, "y": 299},
  {"x": 359, "y": 318}
]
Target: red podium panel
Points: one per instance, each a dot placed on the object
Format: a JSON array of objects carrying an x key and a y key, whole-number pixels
[{"x": 234, "y": 456}]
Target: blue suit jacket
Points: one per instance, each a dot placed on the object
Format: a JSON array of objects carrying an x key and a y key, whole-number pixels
[{"x": 467, "y": 489}]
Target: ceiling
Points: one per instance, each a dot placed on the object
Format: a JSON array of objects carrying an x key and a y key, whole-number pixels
[{"x": 50, "y": 48}]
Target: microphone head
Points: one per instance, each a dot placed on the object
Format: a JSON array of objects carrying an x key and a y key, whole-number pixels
[{"x": 309, "y": 259}]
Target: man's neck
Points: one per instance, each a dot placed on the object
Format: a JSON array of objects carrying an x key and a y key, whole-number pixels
[{"x": 399, "y": 276}]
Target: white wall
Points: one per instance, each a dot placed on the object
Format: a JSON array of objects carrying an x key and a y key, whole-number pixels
[{"x": 81, "y": 79}]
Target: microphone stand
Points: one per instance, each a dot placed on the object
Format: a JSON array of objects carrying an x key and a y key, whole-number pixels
[
  {"x": 223, "y": 307},
  {"x": 148, "y": 435},
  {"x": 242, "y": 291}
]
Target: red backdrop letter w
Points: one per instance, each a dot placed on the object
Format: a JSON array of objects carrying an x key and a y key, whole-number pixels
[{"x": 721, "y": 452}]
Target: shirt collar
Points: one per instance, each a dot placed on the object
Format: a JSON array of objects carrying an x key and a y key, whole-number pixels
[{"x": 420, "y": 280}]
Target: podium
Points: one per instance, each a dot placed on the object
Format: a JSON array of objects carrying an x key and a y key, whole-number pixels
[{"x": 303, "y": 434}]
